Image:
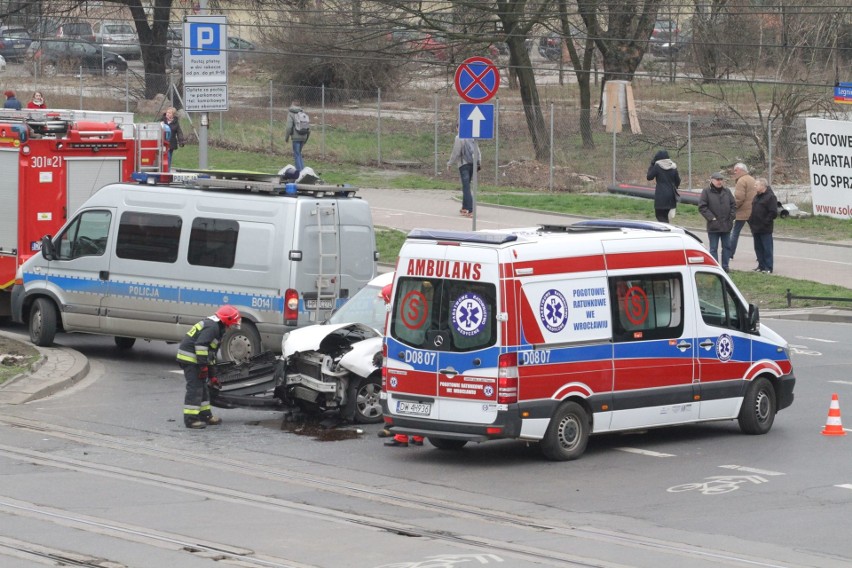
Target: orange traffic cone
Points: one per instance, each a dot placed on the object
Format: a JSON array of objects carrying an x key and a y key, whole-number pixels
[{"x": 832, "y": 425}]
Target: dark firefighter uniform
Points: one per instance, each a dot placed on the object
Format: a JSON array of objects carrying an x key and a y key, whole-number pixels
[{"x": 197, "y": 351}]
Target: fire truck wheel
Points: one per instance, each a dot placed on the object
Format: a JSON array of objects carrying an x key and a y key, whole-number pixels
[
  {"x": 758, "y": 410},
  {"x": 242, "y": 344},
  {"x": 124, "y": 343},
  {"x": 43, "y": 322},
  {"x": 447, "y": 443},
  {"x": 567, "y": 434}
]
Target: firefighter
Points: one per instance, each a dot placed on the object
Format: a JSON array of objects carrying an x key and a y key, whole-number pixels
[
  {"x": 401, "y": 441},
  {"x": 197, "y": 351}
]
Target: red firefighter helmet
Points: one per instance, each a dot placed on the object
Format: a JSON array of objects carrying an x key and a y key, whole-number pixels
[{"x": 229, "y": 315}]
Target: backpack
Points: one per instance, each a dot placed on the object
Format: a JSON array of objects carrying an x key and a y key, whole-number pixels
[{"x": 301, "y": 123}]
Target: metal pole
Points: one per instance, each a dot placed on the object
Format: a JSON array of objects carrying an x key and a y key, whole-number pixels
[
  {"x": 769, "y": 144},
  {"x": 474, "y": 182},
  {"x": 436, "y": 135},
  {"x": 126, "y": 91},
  {"x": 81, "y": 87},
  {"x": 379, "y": 125},
  {"x": 613, "y": 154},
  {"x": 204, "y": 123},
  {"x": 322, "y": 138},
  {"x": 550, "y": 183},
  {"x": 271, "y": 127},
  {"x": 497, "y": 141},
  {"x": 689, "y": 146}
]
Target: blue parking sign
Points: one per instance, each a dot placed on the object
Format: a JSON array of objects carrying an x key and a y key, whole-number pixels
[
  {"x": 204, "y": 38},
  {"x": 476, "y": 121}
]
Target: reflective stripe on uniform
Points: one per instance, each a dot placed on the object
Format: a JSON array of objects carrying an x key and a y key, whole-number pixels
[
  {"x": 186, "y": 356},
  {"x": 191, "y": 410}
]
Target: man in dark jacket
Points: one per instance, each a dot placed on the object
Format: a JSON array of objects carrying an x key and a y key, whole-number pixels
[
  {"x": 664, "y": 171},
  {"x": 197, "y": 351},
  {"x": 718, "y": 206},
  {"x": 764, "y": 209}
]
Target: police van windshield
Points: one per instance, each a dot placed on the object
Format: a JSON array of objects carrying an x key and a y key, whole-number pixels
[{"x": 444, "y": 315}]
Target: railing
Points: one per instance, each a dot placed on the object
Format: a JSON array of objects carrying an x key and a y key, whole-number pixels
[{"x": 791, "y": 297}]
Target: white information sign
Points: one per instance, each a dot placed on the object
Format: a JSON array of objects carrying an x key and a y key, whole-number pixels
[
  {"x": 205, "y": 63},
  {"x": 830, "y": 159}
]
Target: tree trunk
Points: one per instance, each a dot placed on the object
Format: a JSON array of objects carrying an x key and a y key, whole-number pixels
[{"x": 529, "y": 97}]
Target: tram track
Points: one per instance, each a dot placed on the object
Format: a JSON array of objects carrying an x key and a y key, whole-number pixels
[{"x": 359, "y": 491}]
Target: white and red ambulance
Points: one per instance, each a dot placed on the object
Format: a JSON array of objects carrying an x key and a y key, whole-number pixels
[{"x": 550, "y": 334}]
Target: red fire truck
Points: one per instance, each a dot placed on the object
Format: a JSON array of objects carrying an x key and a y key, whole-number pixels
[{"x": 51, "y": 162}]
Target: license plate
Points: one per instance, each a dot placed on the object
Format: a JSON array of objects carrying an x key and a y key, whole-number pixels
[
  {"x": 419, "y": 408},
  {"x": 323, "y": 304}
]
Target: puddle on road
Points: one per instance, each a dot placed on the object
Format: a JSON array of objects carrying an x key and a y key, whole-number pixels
[{"x": 314, "y": 427}]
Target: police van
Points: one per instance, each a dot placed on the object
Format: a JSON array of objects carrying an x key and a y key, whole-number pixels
[
  {"x": 147, "y": 261},
  {"x": 551, "y": 334}
]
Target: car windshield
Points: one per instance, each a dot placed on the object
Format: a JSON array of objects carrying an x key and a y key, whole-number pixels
[
  {"x": 16, "y": 33},
  {"x": 118, "y": 29},
  {"x": 366, "y": 307}
]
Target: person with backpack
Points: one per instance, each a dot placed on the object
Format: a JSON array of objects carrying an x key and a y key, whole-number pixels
[
  {"x": 465, "y": 153},
  {"x": 299, "y": 129}
]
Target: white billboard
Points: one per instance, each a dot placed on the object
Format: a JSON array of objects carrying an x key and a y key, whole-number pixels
[{"x": 830, "y": 159}]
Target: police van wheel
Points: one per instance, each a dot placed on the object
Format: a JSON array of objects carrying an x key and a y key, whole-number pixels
[
  {"x": 759, "y": 406},
  {"x": 568, "y": 433},
  {"x": 242, "y": 344},
  {"x": 124, "y": 342},
  {"x": 447, "y": 443},
  {"x": 43, "y": 323}
]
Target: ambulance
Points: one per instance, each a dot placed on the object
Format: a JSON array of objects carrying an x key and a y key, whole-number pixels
[{"x": 554, "y": 333}]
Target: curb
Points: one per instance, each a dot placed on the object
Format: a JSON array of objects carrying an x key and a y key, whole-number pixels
[{"x": 57, "y": 369}]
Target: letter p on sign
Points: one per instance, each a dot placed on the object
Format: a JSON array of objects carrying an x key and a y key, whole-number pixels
[{"x": 204, "y": 39}]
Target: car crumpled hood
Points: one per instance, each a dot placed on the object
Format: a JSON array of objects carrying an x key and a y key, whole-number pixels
[{"x": 309, "y": 338}]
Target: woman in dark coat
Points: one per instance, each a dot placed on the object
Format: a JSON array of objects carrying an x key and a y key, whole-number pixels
[{"x": 664, "y": 171}]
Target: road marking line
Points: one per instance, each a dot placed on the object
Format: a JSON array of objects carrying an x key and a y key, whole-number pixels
[
  {"x": 646, "y": 453},
  {"x": 845, "y": 486},
  {"x": 816, "y": 339},
  {"x": 842, "y": 382},
  {"x": 752, "y": 470}
]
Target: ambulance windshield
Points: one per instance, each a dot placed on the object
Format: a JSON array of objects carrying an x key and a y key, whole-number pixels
[{"x": 444, "y": 315}]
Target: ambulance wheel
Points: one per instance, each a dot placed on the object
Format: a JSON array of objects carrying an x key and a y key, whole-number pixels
[
  {"x": 447, "y": 443},
  {"x": 758, "y": 410},
  {"x": 124, "y": 343},
  {"x": 43, "y": 322},
  {"x": 242, "y": 344},
  {"x": 364, "y": 405},
  {"x": 568, "y": 433}
]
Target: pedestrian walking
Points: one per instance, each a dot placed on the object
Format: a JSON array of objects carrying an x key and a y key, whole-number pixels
[
  {"x": 11, "y": 101},
  {"x": 175, "y": 136},
  {"x": 298, "y": 129},
  {"x": 465, "y": 153},
  {"x": 37, "y": 102},
  {"x": 718, "y": 207},
  {"x": 764, "y": 210},
  {"x": 743, "y": 196},
  {"x": 196, "y": 353},
  {"x": 664, "y": 172}
]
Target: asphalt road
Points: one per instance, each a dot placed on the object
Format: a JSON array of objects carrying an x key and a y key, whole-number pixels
[
  {"x": 407, "y": 209},
  {"x": 106, "y": 470}
]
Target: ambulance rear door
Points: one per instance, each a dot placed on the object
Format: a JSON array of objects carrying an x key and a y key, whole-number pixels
[{"x": 443, "y": 338}]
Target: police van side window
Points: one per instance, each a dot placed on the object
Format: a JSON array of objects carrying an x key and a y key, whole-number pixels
[
  {"x": 718, "y": 303},
  {"x": 85, "y": 236},
  {"x": 213, "y": 242},
  {"x": 647, "y": 307},
  {"x": 148, "y": 236}
]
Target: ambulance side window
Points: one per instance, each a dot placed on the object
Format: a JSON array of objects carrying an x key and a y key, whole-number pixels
[
  {"x": 148, "y": 236},
  {"x": 718, "y": 303},
  {"x": 85, "y": 236},
  {"x": 213, "y": 242},
  {"x": 416, "y": 310},
  {"x": 647, "y": 307}
]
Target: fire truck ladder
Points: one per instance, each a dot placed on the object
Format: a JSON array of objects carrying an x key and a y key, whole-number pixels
[
  {"x": 329, "y": 256},
  {"x": 150, "y": 131}
]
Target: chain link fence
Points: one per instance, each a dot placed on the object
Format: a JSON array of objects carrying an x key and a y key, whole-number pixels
[{"x": 413, "y": 129}]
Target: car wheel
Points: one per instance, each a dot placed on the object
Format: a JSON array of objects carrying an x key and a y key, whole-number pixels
[
  {"x": 111, "y": 69},
  {"x": 124, "y": 343},
  {"x": 364, "y": 405},
  {"x": 447, "y": 443},
  {"x": 242, "y": 344},
  {"x": 567, "y": 434},
  {"x": 49, "y": 70},
  {"x": 758, "y": 410},
  {"x": 43, "y": 322}
]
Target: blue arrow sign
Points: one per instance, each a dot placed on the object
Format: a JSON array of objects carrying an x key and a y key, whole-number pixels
[{"x": 476, "y": 121}]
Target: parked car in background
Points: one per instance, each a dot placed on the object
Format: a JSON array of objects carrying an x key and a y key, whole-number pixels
[
  {"x": 670, "y": 47},
  {"x": 14, "y": 42},
  {"x": 420, "y": 44},
  {"x": 118, "y": 37},
  {"x": 664, "y": 30},
  {"x": 174, "y": 41},
  {"x": 76, "y": 30},
  {"x": 54, "y": 56},
  {"x": 2, "y": 64}
]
